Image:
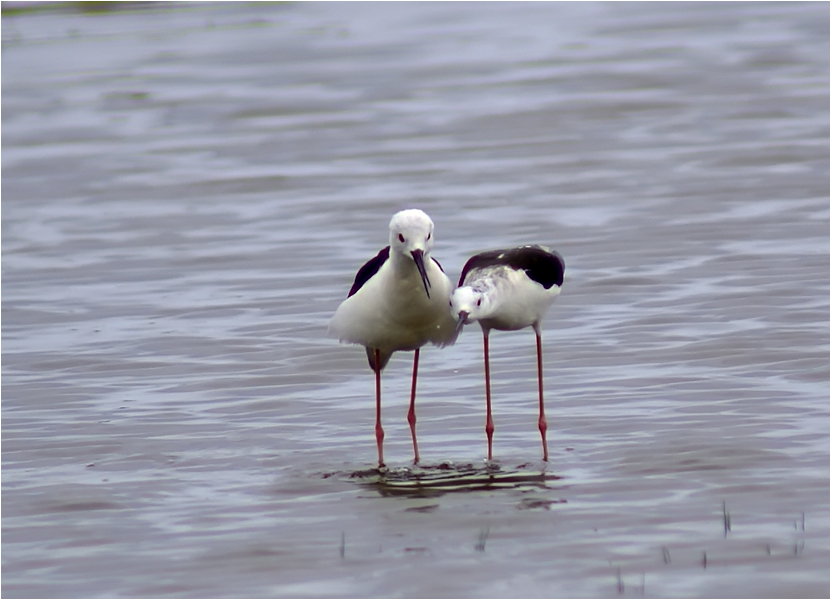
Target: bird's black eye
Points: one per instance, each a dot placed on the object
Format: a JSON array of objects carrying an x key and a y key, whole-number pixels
[
  {"x": 479, "y": 302},
  {"x": 428, "y": 235},
  {"x": 400, "y": 238}
]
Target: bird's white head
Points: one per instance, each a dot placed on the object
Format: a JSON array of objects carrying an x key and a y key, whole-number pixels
[
  {"x": 411, "y": 236},
  {"x": 411, "y": 230},
  {"x": 469, "y": 304}
]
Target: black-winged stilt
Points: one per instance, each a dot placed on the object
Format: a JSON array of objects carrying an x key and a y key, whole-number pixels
[
  {"x": 398, "y": 302},
  {"x": 508, "y": 290}
]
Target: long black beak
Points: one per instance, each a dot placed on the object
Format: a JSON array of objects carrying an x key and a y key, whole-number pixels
[
  {"x": 418, "y": 258},
  {"x": 460, "y": 322}
]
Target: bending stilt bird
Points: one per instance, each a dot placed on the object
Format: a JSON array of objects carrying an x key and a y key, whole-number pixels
[{"x": 508, "y": 290}]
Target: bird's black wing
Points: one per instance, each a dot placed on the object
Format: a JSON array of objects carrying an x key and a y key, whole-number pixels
[
  {"x": 480, "y": 261},
  {"x": 544, "y": 267},
  {"x": 366, "y": 272}
]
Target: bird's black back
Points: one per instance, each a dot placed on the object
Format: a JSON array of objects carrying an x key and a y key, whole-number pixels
[
  {"x": 544, "y": 267},
  {"x": 371, "y": 267}
]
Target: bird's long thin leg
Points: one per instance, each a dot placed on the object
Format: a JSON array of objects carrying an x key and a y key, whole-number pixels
[
  {"x": 489, "y": 419},
  {"x": 543, "y": 424},
  {"x": 379, "y": 431},
  {"x": 411, "y": 416}
]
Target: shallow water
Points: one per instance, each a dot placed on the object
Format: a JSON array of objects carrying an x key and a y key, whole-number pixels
[{"x": 187, "y": 195}]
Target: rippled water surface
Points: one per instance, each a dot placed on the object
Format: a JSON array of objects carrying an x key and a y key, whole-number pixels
[{"x": 188, "y": 193}]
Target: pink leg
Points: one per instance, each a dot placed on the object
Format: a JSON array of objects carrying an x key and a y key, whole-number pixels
[
  {"x": 543, "y": 424},
  {"x": 379, "y": 431},
  {"x": 489, "y": 420},
  {"x": 411, "y": 416}
]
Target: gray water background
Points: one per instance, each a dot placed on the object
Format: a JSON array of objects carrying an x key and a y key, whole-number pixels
[{"x": 188, "y": 192}]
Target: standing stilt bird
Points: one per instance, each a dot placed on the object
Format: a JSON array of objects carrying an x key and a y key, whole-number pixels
[
  {"x": 508, "y": 290},
  {"x": 398, "y": 302}
]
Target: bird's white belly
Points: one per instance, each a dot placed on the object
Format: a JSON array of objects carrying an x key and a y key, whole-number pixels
[
  {"x": 394, "y": 313},
  {"x": 521, "y": 302}
]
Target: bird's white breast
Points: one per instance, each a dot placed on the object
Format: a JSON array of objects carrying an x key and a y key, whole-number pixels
[
  {"x": 516, "y": 301},
  {"x": 392, "y": 312}
]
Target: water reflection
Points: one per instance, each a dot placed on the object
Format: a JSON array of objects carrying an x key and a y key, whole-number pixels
[{"x": 446, "y": 477}]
